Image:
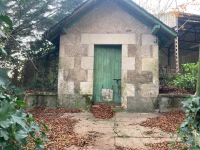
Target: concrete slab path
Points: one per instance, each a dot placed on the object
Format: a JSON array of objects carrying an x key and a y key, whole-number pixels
[{"x": 122, "y": 130}]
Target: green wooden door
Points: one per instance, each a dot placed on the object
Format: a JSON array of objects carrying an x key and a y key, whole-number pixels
[{"x": 107, "y": 71}]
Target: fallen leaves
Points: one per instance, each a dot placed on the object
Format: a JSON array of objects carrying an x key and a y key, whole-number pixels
[
  {"x": 124, "y": 148},
  {"x": 102, "y": 112},
  {"x": 61, "y": 134},
  {"x": 166, "y": 145},
  {"x": 167, "y": 122},
  {"x": 148, "y": 132},
  {"x": 55, "y": 110},
  {"x": 172, "y": 90}
]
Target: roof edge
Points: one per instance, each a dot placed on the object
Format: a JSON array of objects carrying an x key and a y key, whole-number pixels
[
  {"x": 87, "y": 6},
  {"x": 153, "y": 18}
]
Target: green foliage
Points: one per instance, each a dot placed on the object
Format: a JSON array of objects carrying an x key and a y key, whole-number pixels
[
  {"x": 23, "y": 40},
  {"x": 2, "y": 51},
  {"x": 164, "y": 79},
  {"x": 4, "y": 80},
  {"x": 188, "y": 78},
  {"x": 190, "y": 128},
  {"x": 6, "y": 19},
  {"x": 30, "y": 18},
  {"x": 17, "y": 127}
]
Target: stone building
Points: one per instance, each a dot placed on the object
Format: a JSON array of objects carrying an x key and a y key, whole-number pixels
[{"x": 108, "y": 51}]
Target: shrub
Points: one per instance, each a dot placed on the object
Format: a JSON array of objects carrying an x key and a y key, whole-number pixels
[
  {"x": 187, "y": 79},
  {"x": 17, "y": 128},
  {"x": 190, "y": 128}
]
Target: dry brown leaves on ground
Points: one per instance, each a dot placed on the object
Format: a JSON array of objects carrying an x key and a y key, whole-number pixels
[
  {"x": 55, "y": 110},
  {"x": 124, "y": 148},
  {"x": 61, "y": 134},
  {"x": 102, "y": 112},
  {"x": 166, "y": 145},
  {"x": 167, "y": 122},
  {"x": 170, "y": 90}
]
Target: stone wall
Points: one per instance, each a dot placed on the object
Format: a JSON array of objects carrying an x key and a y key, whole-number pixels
[
  {"x": 109, "y": 24},
  {"x": 144, "y": 78},
  {"x": 169, "y": 102},
  {"x": 40, "y": 99}
]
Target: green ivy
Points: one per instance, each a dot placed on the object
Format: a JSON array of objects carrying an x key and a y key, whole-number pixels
[
  {"x": 189, "y": 129},
  {"x": 16, "y": 126}
]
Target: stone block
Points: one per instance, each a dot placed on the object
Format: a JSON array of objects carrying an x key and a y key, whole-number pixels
[
  {"x": 90, "y": 76},
  {"x": 155, "y": 51},
  {"x": 31, "y": 101},
  {"x": 108, "y": 39},
  {"x": 65, "y": 87},
  {"x": 66, "y": 63},
  {"x": 149, "y": 64},
  {"x": 124, "y": 50},
  {"x": 135, "y": 104},
  {"x": 146, "y": 51},
  {"x": 51, "y": 100},
  {"x": 85, "y": 50},
  {"x": 133, "y": 49},
  {"x": 169, "y": 102},
  {"x": 124, "y": 102},
  {"x": 62, "y": 51},
  {"x": 87, "y": 63},
  {"x": 155, "y": 77},
  {"x": 143, "y": 77},
  {"x": 75, "y": 51},
  {"x": 81, "y": 75},
  {"x": 69, "y": 75},
  {"x": 91, "y": 50},
  {"x": 42, "y": 99},
  {"x": 86, "y": 88},
  {"x": 128, "y": 63},
  {"x": 47, "y": 101},
  {"x": 148, "y": 39},
  {"x": 129, "y": 90},
  {"x": 149, "y": 90},
  {"x": 71, "y": 101},
  {"x": 60, "y": 75},
  {"x": 67, "y": 39},
  {"x": 124, "y": 75}
]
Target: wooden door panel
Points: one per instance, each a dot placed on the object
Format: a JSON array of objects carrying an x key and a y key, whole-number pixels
[{"x": 107, "y": 67}]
